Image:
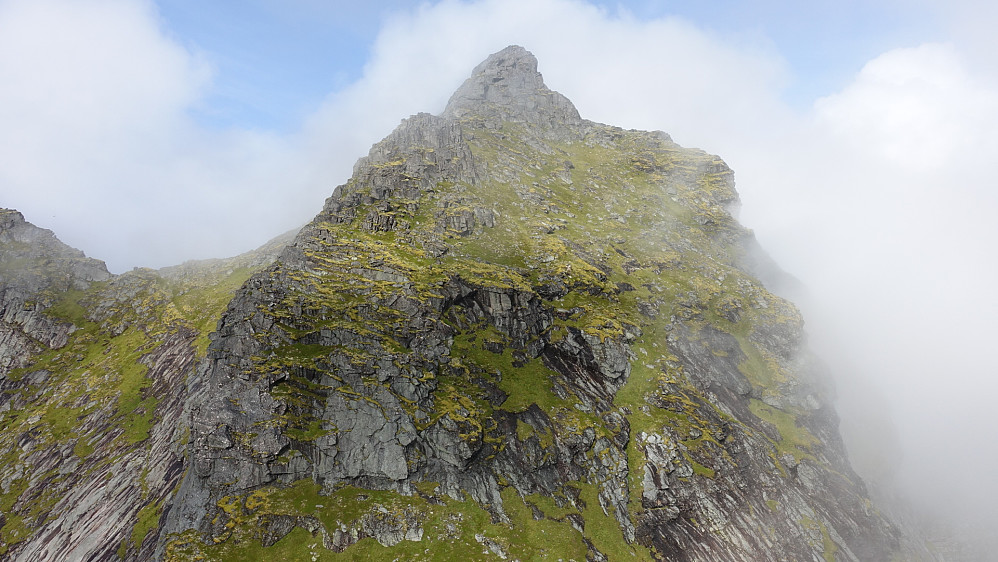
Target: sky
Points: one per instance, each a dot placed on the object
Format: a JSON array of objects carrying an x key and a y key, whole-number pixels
[{"x": 861, "y": 134}]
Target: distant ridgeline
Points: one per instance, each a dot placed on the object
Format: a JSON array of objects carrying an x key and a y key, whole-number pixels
[{"x": 513, "y": 334}]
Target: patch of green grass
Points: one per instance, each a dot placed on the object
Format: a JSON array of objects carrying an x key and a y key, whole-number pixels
[
  {"x": 61, "y": 421},
  {"x": 604, "y": 530},
  {"x": 550, "y": 507},
  {"x": 763, "y": 372},
  {"x": 451, "y": 529},
  {"x": 525, "y": 382},
  {"x": 8, "y": 499},
  {"x": 701, "y": 469},
  {"x": 794, "y": 439},
  {"x": 14, "y": 531},
  {"x": 313, "y": 431},
  {"x": 828, "y": 546},
  {"x": 146, "y": 521},
  {"x": 68, "y": 308},
  {"x": 83, "y": 448},
  {"x": 201, "y": 302},
  {"x": 523, "y": 430},
  {"x": 122, "y": 357}
]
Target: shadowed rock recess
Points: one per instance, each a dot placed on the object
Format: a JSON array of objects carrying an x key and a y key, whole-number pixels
[{"x": 513, "y": 334}]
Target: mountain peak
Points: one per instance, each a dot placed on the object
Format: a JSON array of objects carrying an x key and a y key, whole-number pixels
[
  {"x": 513, "y": 57},
  {"x": 508, "y": 87}
]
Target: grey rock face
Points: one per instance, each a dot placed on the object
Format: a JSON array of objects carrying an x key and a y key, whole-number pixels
[
  {"x": 63, "y": 267},
  {"x": 507, "y": 87},
  {"x": 100, "y": 500},
  {"x": 35, "y": 270}
]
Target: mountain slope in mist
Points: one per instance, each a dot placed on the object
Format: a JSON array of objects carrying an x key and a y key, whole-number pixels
[{"x": 512, "y": 334}]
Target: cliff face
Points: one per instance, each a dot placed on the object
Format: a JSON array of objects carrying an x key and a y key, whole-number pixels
[
  {"x": 512, "y": 334},
  {"x": 37, "y": 269},
  {"x": 92, "y": 390}
]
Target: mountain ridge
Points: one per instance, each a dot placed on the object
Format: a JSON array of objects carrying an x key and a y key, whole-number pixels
[
  {"x": 441, "y": 189},
  {"x": 512, "y": 334},
  {"x": 89, "y": 406}
]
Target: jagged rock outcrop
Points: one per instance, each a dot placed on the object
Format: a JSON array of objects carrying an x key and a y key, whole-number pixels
[
  {"x": 506, "y": 88},
  {"x": 517, "y": 334},
  {"x": 35, "y": 270}
]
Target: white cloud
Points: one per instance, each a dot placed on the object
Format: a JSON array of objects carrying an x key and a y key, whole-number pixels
[
  {"x": 918, "y": 107},
  {"x": 82, "y": 82},
  {"x": 96, "y": 141},
  {"x": 888, "y": 216}
]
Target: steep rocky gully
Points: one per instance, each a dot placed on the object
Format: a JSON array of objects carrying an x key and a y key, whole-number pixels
[{"x": 512, "y": 334}]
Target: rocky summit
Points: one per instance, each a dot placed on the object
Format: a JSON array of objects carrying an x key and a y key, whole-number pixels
[{"x": 512, "y": 334}]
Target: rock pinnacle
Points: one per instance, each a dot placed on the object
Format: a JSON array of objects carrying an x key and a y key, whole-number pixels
[{"x": 508, "y": 87}]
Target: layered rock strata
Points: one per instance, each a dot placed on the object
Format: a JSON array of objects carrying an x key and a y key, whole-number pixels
[{"x": 93, "y": 371}]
